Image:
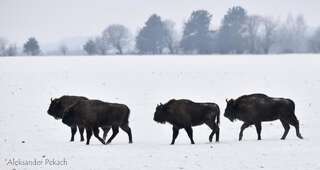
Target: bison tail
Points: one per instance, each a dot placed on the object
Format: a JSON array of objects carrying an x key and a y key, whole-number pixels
[
  {"x": 218, "y": 118},
  {"x": 217, "y": 111},
  {"x": 292, "y": 105},
  {"x": 127, "y": 116}
]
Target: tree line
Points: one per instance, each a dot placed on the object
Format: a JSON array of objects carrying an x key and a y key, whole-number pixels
[{"x": 238, "y": 33}]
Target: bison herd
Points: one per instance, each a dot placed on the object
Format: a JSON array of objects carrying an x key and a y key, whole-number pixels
[{"x": 83, "y": 113}]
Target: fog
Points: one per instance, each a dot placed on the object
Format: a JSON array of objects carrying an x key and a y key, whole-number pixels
[{"x": 51, "y": 21}]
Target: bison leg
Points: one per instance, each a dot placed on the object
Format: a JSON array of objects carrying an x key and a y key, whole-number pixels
[
  {"x": 174, "y": 134},
  {"x": 105, "y": 132},
  {"x": 294, "y": 122},
  {"x": 73, "y": 132},
  {"x": 210, "y": 124},
  {"x": 81, "y": 130},
  {"x": 127, "y": 129},
  {"x": 96, "y": 134},
  {"x": 298, "y": 131},
  {"x": 215, "y": 130},
  {"x": 190, "y": 133},
  {"x": 89, "y": 134},
  {"x": 258, "y": 128},
  {"x": 244, "y": 126},
  {"x": 115, "y": 130},
  {"x": 286, "y": 129},
  {"x": 211, "y": 135}
]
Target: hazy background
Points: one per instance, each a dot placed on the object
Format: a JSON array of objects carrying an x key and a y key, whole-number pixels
[{"x": 57, "y": 20}]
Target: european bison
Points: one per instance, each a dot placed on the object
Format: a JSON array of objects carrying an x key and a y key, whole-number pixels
[
  {"x": 57, "y": 107},
  {"x": 185, "y": 114},
  {"x": 93, "y": 114},
  {"x": 256, "y": 108}
]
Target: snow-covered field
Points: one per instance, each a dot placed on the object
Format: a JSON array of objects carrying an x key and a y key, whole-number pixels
[{"x": 27, "y": 132}]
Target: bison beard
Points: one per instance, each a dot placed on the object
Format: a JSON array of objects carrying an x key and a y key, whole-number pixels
[
  {"x": 185, "y": 114},
  {"x": 256, "y": 108}
]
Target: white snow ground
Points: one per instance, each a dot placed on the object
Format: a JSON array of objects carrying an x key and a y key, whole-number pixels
[{"x": 141, "y": 82}]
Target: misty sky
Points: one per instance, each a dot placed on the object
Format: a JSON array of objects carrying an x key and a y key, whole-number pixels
[{"x": 53, "y": 20}]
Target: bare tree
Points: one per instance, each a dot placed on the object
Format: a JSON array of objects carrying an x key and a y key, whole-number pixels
[
  {"x": 117, "y": 37},
  {"x": 314, "y": 42},
  {"x": 300, "y": 32},
  {"x": 253, "y": 25},
  {"x": 171, "y": 36},
  {"x": 292, "y": 38},
  {"x": 12, "y": 50},
  {"x": 63, "y": 49},
  {"x": 3, "y": 46},
  {"x": 101, "y": 46},
  {"x": 268, "y": 34}
]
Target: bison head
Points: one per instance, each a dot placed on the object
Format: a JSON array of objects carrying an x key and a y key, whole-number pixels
[
  {"x": 56, "y": 109},
  {"x": 160, "y": 115},
  {"x": 230, "y": 110}
]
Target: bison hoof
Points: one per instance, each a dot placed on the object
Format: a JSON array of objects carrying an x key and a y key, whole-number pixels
[
  {"x": 283, "y": 138},
  {"x": 299, "y": 136},
  {"x": 81, "y": 140},
  {"x": 130, "y": 142}
]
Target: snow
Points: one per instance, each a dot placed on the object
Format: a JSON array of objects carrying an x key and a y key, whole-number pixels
[{"x": 142, "y": 82}]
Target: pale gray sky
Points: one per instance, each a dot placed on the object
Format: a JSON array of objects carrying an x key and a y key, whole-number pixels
[{"x": 53, "y": 20}]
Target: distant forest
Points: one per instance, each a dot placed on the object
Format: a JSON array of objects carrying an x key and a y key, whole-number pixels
[{"x": 239, "y": 33}]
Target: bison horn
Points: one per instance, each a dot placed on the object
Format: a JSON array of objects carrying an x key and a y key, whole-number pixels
[
  {"x": 227, "y": 100},
  {"x": 51, "y": 99}
]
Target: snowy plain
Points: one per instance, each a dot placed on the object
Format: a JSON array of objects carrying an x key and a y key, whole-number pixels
[{"x": 27, "y": 132}]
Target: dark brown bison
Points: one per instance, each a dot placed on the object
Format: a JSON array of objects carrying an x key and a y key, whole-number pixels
[
  {"x": 185, "y": 114},
  {"x": 57, "y": 107},
  {"x": 93, "y": 114},
  {"x": 256, "y": 108}
]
